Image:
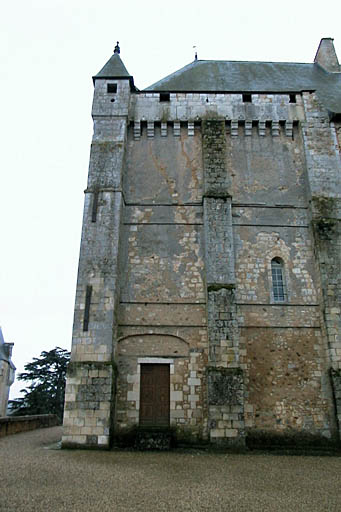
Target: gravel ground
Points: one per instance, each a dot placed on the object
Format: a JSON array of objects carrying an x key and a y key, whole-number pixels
[{"x": 36, "y": 478}]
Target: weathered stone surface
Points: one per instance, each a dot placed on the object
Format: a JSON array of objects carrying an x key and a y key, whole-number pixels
[
  {"x": 217, "y": 180},
  {"x": 225, "y": 386},
  {"x": 88, "y": 403},
  {"x": 219, "y": 249}
]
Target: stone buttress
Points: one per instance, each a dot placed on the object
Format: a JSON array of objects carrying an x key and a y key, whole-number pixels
[
  {"x": 225, "y": 377},
  {"x": 90, "y": 388},
  {"x": 322, "y": 149}
]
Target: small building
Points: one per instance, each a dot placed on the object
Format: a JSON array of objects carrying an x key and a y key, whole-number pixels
[
  {"x": 209, "y": 287},
  {"x": 7, "y": 373}
]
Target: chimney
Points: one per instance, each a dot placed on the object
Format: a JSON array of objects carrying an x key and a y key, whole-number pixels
[{"x": 326, "y": 56}]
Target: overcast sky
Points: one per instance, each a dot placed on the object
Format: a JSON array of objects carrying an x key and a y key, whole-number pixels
[{"x": 49, "y": 51}]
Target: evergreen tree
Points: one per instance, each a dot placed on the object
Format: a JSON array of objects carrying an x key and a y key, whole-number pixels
[{"x": 45, "y": 394}]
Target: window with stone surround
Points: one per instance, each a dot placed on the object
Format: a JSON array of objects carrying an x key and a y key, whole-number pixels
[{"x": 278, "y": 282}]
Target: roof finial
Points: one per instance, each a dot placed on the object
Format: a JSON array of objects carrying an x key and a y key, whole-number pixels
[
  {"x": 196, "y": 54},
  {"x": 117, "y": 48}
]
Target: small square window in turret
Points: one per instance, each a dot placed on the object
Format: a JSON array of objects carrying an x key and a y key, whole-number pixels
[
  {"x": 111, "y": 88},
  {"x": 247, "y": 98}
]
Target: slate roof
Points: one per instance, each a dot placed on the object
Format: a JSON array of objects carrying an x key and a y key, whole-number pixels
[
  {"x": 235, "y": 76},
  {"x": 114, "y": 68}
]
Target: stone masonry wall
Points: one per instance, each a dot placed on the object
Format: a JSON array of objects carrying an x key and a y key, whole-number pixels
[
  {"x": 223, "y": 328},
  {"x": 226, "y": 398},
  {"x": 286, "y": 373},
  {"x": 324, "y": 173},
  {"x": 162, "y": 317},
  {"x": 287, "y": 381},
  {"x": 215, "y": 106},
  {"x": 219, "y": 250},
  {"x": 217, "y": 180},
  {"x": 88, "y": 395}
]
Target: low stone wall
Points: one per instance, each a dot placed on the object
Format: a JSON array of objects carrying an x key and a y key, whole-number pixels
[{"x": 15, "y": 424}]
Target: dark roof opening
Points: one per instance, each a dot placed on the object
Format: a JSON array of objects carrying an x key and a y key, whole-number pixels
[{"x": 164, "y": 96}]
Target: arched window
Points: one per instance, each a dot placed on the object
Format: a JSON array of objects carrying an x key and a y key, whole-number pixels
[{"x": 278, "y": 282}]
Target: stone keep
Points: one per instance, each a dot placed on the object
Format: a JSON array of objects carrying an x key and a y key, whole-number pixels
[{"x": 209, "y": 285}]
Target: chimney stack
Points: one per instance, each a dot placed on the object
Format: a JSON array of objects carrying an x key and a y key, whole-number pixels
[{"x": 326, "y": 56}]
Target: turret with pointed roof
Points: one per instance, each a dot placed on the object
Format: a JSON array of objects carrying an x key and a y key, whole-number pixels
[
  {"x": 98, "y": 269},
  {"x": 114, "y": 69}
]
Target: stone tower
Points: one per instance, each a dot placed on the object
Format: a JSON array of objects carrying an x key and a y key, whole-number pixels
[
  {"x": 7, "y": 372},
  {"x": 209, "y": 284}
]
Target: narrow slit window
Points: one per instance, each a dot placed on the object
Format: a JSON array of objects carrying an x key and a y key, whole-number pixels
[
  {"x": 112, "y": 88},
  {"x": 87, "y": 308},
  {"x": 278, "y": 284},
  {"x": 94, "y": 206},
  {"x": 247, "y": 98}
]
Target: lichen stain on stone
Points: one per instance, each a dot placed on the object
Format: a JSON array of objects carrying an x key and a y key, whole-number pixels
[
  {"x": 142, "y": 216},
  {"x": 324, "y": 221},
  {"x": 192, "y": 165},
  {"x": 183, "y": 215},
  {"x": 190, "y": 266}
]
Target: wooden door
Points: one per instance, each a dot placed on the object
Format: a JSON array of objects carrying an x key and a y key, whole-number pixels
[{"x": 154, "y": 395}]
